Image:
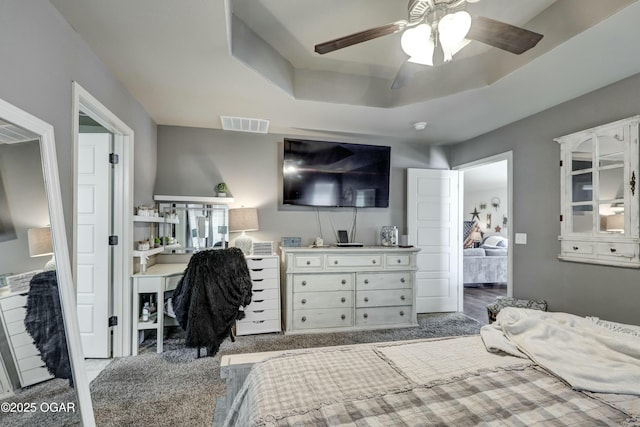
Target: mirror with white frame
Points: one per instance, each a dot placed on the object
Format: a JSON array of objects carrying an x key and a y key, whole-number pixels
[{"x": 42, "y": 376}]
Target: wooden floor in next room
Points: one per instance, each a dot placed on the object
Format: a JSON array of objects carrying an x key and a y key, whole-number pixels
[{"x": 477, "y": 298}]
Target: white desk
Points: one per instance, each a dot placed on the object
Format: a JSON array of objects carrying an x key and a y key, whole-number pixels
[{"x": 158, "y": 279}]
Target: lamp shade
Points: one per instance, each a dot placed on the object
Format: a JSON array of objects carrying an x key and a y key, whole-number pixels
[
  {"x": 615, "y": 223},
  {"x": 243, "y": 219},
  {"x": 40, "y": 243}
]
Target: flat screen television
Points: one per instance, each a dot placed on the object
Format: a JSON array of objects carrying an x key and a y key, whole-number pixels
[{"x": 335, "y": 174}]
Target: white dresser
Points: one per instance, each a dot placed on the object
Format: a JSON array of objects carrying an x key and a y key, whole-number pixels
[
  {"x": 263, "y": 314},
  {"x": 329, "y": 289},
  {"x": 28, "y": 363}
]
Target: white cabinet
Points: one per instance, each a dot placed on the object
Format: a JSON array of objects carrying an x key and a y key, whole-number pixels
[
  {"x": 599, "y": 195},
  {"x": 263, "y": 314},
  {"x": 28, "y": 363},
  {"x": 349, "y": 288}
]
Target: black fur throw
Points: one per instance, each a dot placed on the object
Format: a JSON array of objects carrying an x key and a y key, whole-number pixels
[
  {"x": 208, "y": 298},
  {"x": 45, "y": 324}
]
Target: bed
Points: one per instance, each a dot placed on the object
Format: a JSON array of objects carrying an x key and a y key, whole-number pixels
[{"x": 528, "y": 367}]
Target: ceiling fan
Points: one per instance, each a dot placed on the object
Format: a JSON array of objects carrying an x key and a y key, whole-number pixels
[{"x": 435, "y": 31}]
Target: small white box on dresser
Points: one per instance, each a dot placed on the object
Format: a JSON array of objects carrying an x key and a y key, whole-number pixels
[{"x": 263, "y": 314}]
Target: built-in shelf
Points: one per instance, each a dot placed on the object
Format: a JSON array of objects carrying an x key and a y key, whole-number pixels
[
  {"x": 158, "y": 219},
  {"x": 194, "y": 199},
  {"x": 154, "y": 251}
]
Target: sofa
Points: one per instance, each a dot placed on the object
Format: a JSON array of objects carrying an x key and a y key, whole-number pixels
[{"x": 485, "y": 264}]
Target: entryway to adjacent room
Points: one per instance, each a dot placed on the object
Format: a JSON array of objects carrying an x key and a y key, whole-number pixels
[{"x": 486, "y": 233}]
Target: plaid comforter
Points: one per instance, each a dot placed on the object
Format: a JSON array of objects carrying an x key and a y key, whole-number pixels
[{"x": 361, "y": 385}]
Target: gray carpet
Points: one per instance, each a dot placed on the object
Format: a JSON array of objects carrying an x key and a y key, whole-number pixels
[{"x": 177, "y": 388}]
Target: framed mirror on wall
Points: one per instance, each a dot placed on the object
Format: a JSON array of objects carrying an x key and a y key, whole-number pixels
[{"x": 42, "y": 375}]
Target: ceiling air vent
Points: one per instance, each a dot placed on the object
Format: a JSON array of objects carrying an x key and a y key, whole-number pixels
[
  {"x": 10, "y": 133},
  {"x": 243, "y": 124}
]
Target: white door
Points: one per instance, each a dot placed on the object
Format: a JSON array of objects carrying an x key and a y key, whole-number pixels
[
  {"x": 92, "y": 248},
  {"x": 433, "y": 224}
]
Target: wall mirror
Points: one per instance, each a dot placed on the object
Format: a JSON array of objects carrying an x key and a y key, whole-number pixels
[
  {"x": 37, "y": 283},
  {"x": 190, "y": 227}
]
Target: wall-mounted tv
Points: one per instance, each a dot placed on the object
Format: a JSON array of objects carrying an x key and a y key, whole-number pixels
[{"x": 335, "y": 174}]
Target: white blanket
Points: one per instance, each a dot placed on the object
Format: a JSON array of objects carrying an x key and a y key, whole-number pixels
[{"x": 587, "y": 355}]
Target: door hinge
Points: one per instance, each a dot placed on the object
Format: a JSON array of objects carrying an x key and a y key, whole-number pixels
[
  {"x": 561, "y": 163},
  {"x": 561, "y": 218},
  {"x": 114, "y": 159},
  {"x": 113, "y": 240},
  {"x": 113, "y": 321}
]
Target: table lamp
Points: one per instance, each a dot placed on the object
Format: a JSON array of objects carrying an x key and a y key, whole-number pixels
[
  {"x": 40, "y": 244},
  {"x": 243, "y": 219}
]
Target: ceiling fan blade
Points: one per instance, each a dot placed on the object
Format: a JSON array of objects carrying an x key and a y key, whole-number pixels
[
  {"x": 359, "y": 37},
  {"x": 503, "y": 36},
  {"x": 405, "y": 73}
]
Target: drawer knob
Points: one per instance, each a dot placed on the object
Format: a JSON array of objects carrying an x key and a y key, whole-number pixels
[
  {"x": 402, "y": 280},
  {"x": 399, "y": 261},
  {"x": 343, "y": 299},
  {"x": 308, "y": 262},
  {"x": 365, "y": 315},
  {"x": 575, "y": 248},
  {"x": 335, "y": 262},
  {"x": 402, "y": 297},
  {"x": 612, "y": 250},
  {"x": 366, "y": 299},
  {"x": 343, "y": 317},
  {"x": 401, "y": 313},
  {"x": 304, "y": 301},
  {"x": 344, "y": 282},
  {"x": 304, "y": 283},
  {"x": 304, "y": 318},
  {"x": 366, "y": 281},
  {"x": 373, "y": 261}
]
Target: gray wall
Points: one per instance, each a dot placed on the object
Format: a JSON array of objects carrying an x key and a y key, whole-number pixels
[
  {"x": 41, "y": 57},
  {"x": 192, "y": 161},
  {"x": 608, "y": 292},
  {"x": 23, "y": 183}
]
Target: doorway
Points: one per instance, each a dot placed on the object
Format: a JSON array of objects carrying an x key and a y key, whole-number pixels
[
  {"x": 486, "y": 236},
  {"x": 103, "y": 313}
]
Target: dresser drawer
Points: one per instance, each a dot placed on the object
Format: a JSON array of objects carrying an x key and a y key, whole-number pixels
[
  {"x": 306, "y": 300},
  {"x": 302, "y": 262},
  {"x": 267, "y": 262},
  {"x": 263, "y": 284},
  {"x": 322, "y": 282},
  {"x": 383, "y": 315},
  {"x": 400, "y": 280},
  {"x": 351, "y": 261},
  {"x": 399, "y": 260},
  {"x": 621, "y": 250},
  {"x": 15, "y": 328},
  {"x": 13, "y": 302},
  {"x": 30, "y": 362},
  {"x": 21, "y": 339},
  {"x": 381, "y": 298},
  {"x": 322, "y": 318},
  {"x": 263, "y": 304},
  {"x": 265, "y": 294},
  {"x": 261, "y": 315},
  {"x": 576, "y": 247},
  {"x": 35, "y": 375},
  {"x": 264, "y": 273},
  {"x": 15, "y": 315},
  {"x": 248, "y": 327},
  {"x": 24, "y": 351}
]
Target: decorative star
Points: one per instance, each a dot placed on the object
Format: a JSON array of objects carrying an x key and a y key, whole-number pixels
[
  {"x": 498, "y": 228},
  {"x": 475, "y": 214}
]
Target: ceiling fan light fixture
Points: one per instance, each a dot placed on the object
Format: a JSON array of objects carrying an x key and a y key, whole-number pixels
[
  {"x": 415, "y": 41},
  {"x": 452, "y": 30}
]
